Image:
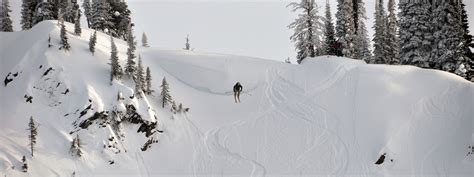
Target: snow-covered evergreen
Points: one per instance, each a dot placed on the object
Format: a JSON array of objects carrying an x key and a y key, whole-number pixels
[
  {"x": 86, "y": 5},
  {"x": 307, "y": 29},
  {"x": 329, "y": 45},
  {"x": 380, "y": 28},
  {"x": 92, "y": 42},
  {"x": 345, "y": 27},
  {"x": 44, "y": 11},
  {"x": 77, "y": 24},
  {"x": 447, "y": 52},
  {"x": 116, "y": 71},
  {"x": 148, "y": 84},
  {"x": 64, "y": 44},
  {"x": 69, "y": 13},
  {"x": 101, "y": 19},
  {"x": 5, "y": 19},
  {"x": 131, "y": 67},
  {"x": 392, "y": 41},
  {"x": 139, "y": 79},
  {"x": 165, "y": 93},
  {"x": 33, "y": 132},
  {"x": 467, "y": 43},
  {"x": 361, "y": 38},
  {"x": 416, "y": 37},
  {"x": 145, "y": 40},
  {"x": 27, "y": 14}
]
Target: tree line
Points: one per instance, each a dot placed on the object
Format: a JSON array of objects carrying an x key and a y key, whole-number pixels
[{"x": 425, "y": 33}]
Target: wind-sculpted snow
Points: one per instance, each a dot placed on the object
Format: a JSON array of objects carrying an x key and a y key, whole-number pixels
[{"x": 329, "y": 116}]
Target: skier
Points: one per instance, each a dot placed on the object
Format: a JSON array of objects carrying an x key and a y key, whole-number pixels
[{"x": 237, "y": 89}]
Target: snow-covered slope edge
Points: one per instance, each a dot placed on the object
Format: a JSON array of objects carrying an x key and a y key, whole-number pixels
[{"x": 326, "y": 117}]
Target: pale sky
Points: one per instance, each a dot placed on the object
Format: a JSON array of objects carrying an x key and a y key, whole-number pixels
[{"x": 255, "y": 28}]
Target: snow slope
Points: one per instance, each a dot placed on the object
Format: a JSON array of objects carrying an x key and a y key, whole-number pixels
[{"x": 329, "y": 116}]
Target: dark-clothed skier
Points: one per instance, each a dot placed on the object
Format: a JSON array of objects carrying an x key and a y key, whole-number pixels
[{"x": 237, "y": 89}]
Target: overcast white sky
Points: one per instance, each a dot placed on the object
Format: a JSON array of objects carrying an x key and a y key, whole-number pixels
[{"x": 242, "y": 27}]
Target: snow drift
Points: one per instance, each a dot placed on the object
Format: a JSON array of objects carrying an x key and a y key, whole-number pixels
[{"x": 329, "y": 116}]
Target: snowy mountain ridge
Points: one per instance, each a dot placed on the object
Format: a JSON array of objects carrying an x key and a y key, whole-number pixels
[{"x": 329, "y": 116}]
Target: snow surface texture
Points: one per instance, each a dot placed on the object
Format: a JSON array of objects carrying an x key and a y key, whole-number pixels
[{"x": 328, "y": 116}]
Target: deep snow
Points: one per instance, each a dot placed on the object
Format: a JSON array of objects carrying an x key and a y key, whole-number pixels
[{"x": 329, "y": 116}]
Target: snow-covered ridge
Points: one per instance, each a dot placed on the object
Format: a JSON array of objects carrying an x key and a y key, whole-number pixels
[{"x": 328, "y": 116}]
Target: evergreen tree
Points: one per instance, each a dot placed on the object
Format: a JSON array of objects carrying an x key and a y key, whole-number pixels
[
  {"x": 329, "y": 46},
  {"x": 187, "y": 46},
  {"x": 101, "y": 17},
  {"x": 139, "y": 79},
  {"x": 45, "y": 11},
  {"x": 345, "y": 27},
  {"x": 116, "y": 70},
  {"x": 76, "y": 147},
  {"x": 447, "y": 51},
  {"x": 86, "y": 4},
  {"x": 165, "y": 93},
  {"x": 148, "y": 79},
  {"x": 307, "y": 29},
  {"x": 64, "y": 39},
  {"x": 144, "y": 40},
  {"x": 131, "y": 67},
  {"x": 24, "y": 167},
  {"x": 92, "y": 42},
  {"x": 33, "y": 127},
  {"x": 27, "y": 14},
  {"x": 415, "y": 33},
  {"x": 467, "y": 42},
  {"x": 77, "y": 24},
  {"x": 380, "y": 53},
  {"x": 391, "y": 37},
  {"x": 5, "y": 20},
  {"x": 120, "y": 19},
  {"x": 69, "y": 13},
  {"x": 361, "y": 38}
]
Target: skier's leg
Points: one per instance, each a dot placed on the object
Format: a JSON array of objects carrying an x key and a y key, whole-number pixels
[
  {"x": 238, "y": 96},
  {"x": 235, "y": 97}
]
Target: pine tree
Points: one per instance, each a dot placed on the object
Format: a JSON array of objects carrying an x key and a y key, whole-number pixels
[
  {"x": 33, "y": 128},
  {"x": 345, "y": 27},
  {"x": 380, "y": 53},
  {"x": 148, "y": 79},
  {"x": 5, "y": 20},
  {"x": 307, "y": 29},
  {"x": 77, "y": 24},
  {"x": 361, "y": 38},
  {"x": 101, "y": 17},
  {"x": 27, "y": 14},
  {"x": 120, "y": 19},
  {"x": 63, "y": 37},
  {"x": 447, "y": 53},
  {"x": 144, "y": 40},
  {"x": 131, "y": 67},
  {"x": 45, "y": 11},
  {"x": 139, "y": 78},
  {"x": 415, "y": 33},
  {"x": 69, "y": 12},
  {"x": 25, "y": 165},
  {"x": 92, "y": 42},
  {"x": 76, "y": 147},
  {"x": 165, "y": 93},
  {"x": 87, "y": 11},
  {"x": 329, "y": 46},
  {"x": 116, "y": 70},
  {"x": 391, "y": 37},
  {"x": 187, "y": 46},
  {"x": 467, "y": 43}
]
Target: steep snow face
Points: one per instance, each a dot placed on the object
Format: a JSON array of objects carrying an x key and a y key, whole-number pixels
[{"x": 329, "y": 116}]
